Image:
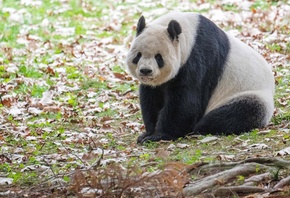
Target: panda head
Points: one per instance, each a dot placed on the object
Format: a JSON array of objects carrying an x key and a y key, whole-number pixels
[{"x": 154, "y": 56}]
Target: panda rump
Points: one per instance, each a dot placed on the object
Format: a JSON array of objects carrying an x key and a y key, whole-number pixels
[{"x": 196, "y": 78}]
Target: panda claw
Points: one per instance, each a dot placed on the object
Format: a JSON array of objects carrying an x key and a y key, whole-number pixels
[
  {"x": 145, "y": 137},
  {"x": 141, "y": 138},
  {"x": 153, "y": 138}
]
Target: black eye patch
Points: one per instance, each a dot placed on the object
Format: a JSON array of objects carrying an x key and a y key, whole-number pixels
[
  {"x": 159, "y": 60},
  {"x": 137, "y": 58}
]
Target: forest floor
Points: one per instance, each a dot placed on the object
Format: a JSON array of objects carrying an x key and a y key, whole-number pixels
[{"x": 70, "y": 116}]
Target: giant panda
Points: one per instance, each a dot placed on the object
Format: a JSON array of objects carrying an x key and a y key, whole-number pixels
[{"x": 196, "y": 78}]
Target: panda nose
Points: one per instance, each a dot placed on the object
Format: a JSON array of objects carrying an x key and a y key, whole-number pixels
[{"x": 146, "y": 72}]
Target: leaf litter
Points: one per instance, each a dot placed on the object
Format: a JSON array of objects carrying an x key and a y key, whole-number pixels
[{"x": 70, "y": 112}]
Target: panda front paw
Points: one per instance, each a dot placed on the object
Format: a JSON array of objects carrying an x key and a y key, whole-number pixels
[
  {"x": 142, "y": 137},
  {"x": 145, "y": 137}
]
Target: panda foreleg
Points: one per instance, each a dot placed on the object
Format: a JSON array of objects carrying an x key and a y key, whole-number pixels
[
  {"x": 239, "y": 115},
  {"x": 177, "y": 118},
  {"x": 151, "y": 101}
]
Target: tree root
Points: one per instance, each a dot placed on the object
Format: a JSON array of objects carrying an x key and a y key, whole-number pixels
[
  {"x": 226, "y": 191},
  {"x": 221, "y": 177},
  {"x": 252, "y": 181},
  {"x": 223, "y": 173},
  {"x": 283, "y": 182}
]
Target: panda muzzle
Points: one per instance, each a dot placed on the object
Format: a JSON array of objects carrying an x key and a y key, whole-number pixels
[{"x": 146, "y": 72}]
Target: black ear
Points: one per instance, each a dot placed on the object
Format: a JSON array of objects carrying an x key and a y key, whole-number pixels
[
  {"x": 174, "y": 29},
  {"x": 141, "y": 25}
]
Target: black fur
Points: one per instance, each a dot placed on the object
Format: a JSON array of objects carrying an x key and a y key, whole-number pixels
[
  {"x": 173, "y": 29},
  {"x": 141, "y": 25},
  {"x": 237, "y": 116},
  {"x": 159, "y": 60},
  {"x": 172, "y": 109},
  {"x": 137, "y": 58}
]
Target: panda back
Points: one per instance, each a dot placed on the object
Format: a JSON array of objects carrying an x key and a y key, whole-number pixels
[{"x": 246, "y": 72}]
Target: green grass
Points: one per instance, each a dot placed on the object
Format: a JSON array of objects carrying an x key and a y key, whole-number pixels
[{"x": 264, "y": 5}]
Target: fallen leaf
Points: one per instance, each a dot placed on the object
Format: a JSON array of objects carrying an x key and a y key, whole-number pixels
[
  {"x": 259, "y": 146},
  {"x": 208, "y": 139},
  {"x": 226, "y": 157},
  {"x": 53, "y": 109},
  {"x": 34, "y": 111},
  {"x": 171, "y": 147},
  {"x": 46, "y": 97},
  {"x": 182, "y": 146},
  {"x": 120, "y": 76},
  {"x": 49, "y": 70},
  {"x": 285, "y": 151},
  {"x": 5, "y": 181},
  {"x": 7, "y": 102},
  {"x": 14, "y": 111},
  {"x": 162, "y": 153}
]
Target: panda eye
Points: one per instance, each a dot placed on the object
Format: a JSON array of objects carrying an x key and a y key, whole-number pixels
[
  {"x": 159, "y": 60},
  {"x": 137, "y": 58}
]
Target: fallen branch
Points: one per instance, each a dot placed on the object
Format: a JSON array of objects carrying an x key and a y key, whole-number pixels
[
  {"x": 207, "y": 168},
  {"x": 224, "y": 176},
  {"x": 252, "y": 181},
  {"x": 277, "y": 162},
  {"x": 195, "y": 166},
  {"x": 282, "y": 183},
  {"x": 226, "y": 191}
]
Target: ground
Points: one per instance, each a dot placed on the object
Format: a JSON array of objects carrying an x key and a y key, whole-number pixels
[{"x": 70, "y": 116}]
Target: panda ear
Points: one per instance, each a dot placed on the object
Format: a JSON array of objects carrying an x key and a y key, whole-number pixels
[
  {"x": 141, "y": 25},
  {"x": 174, "y": 29}
]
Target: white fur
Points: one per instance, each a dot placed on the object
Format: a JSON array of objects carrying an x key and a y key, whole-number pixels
[
  {"x": 246, "y": 73},
  {"x": 155, "y": 39}
]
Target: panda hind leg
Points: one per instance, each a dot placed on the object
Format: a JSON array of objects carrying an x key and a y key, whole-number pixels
[{"x": 237, "y": 116}]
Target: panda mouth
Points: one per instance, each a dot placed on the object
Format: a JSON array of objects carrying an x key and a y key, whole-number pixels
[{"x": 146, "y": 78}]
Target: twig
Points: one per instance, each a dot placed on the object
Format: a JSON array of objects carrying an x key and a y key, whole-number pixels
[
  {"x": 148, "y": 164},
  {"x": 54, "y": 175},
  {"x": 95, "y": 146},
  {"x": 86, "y": 164},
  {"x": 195, "y": 166},
  {"x": 97, "y": 163}
]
